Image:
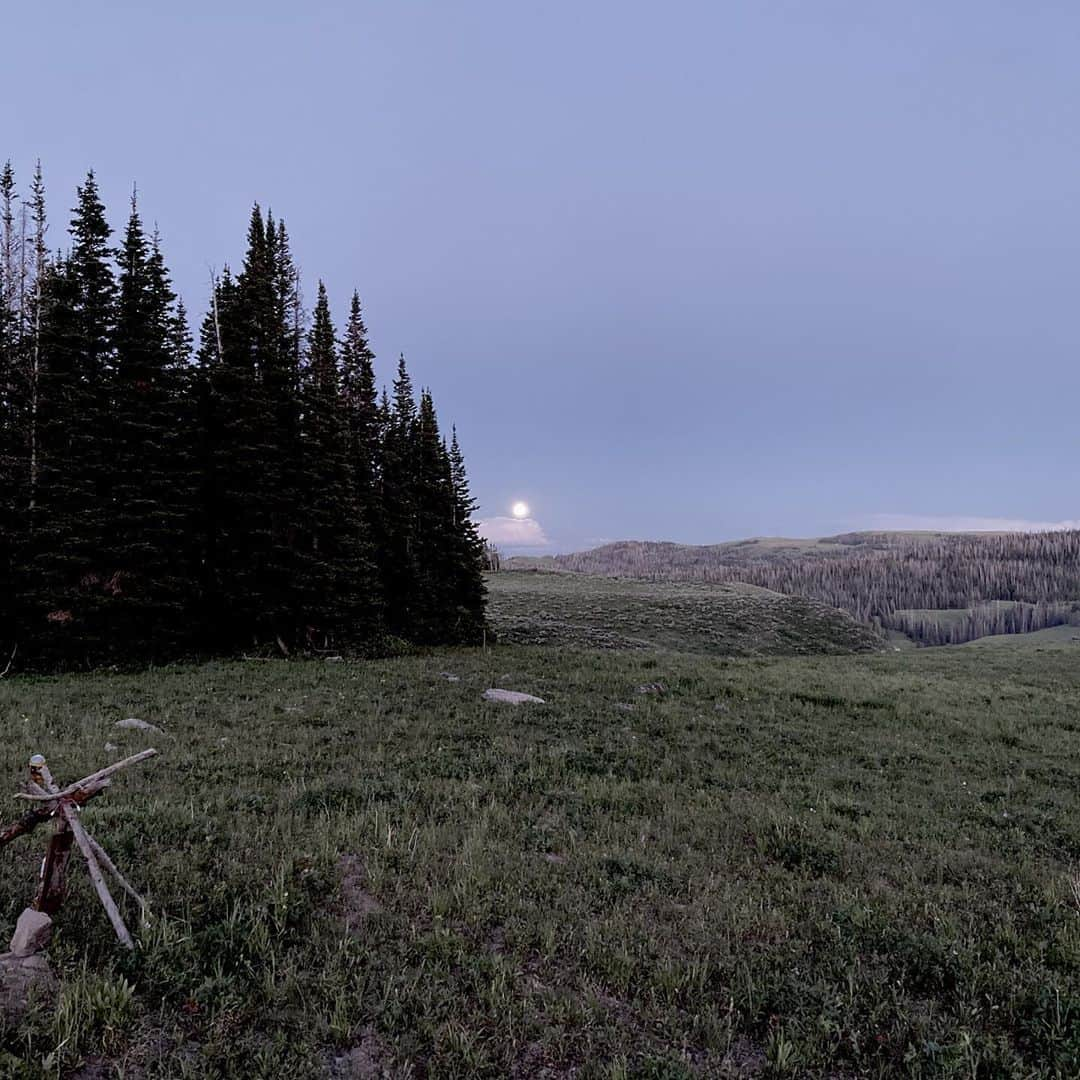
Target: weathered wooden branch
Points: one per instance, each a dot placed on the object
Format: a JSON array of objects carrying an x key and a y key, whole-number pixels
[
  {"x": 79, "y": 785},
  {"x": 71, "y": 816},
  {"x": 38, "y": 815},
  {"x": 63, "y": 806},
  {"x": 109, "y": 865},
  {"x": 11, "y": 660}
]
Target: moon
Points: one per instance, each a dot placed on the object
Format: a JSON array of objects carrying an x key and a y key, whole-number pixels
[{"x": 520, "y": 510}]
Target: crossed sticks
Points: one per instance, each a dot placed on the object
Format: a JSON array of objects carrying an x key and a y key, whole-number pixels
[{"x": 63, "y": 806}]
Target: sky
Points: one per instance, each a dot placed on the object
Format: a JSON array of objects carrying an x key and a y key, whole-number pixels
[{"x": 689, "y": 271}]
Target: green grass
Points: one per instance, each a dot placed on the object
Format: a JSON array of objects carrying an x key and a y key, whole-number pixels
[
  {"x": 835, "y": 866},
  {"x": 536, "y": 608},
  {"x": 1051, "y": 635}
]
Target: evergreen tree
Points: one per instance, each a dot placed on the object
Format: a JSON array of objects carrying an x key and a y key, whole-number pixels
[
  {"x": 234, "y": 526},
  {"x": 268, "y": 330},
  {"x": 364, "y": 432},
  {"x": 153, "y": 488},
  {"x": 469, "y": 558},
  {"x": 434, "y": 528},
  {"x": 337, "y": 580},
  {"x": 397, "y": 555},
  {"x": 69, "y": 577}
]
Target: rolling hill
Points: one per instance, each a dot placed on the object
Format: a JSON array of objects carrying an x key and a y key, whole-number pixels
[
  {"x": 538, "y": 608},
  {"x": 938, "y": 588}
]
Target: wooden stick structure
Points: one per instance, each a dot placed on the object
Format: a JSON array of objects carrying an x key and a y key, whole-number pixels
[{"x": 63, "y": 807}]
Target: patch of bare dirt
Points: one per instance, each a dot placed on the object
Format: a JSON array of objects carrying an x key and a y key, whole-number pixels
[
  {"x": 531, "y": 1063},
  {"x": 367, "y": 1059},
  {"x": 357, "y": 904},
  {"x": 744, "y": 1059}
]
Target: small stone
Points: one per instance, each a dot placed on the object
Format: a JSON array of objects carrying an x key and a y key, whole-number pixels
[
  {"x": 651, "y": 688},
  {"x": 335, "y": 659},
  {"x": 32, "y": 933},
  {"x": 111, "y": 747},
  {"x": 512, "y": 697},
  {"x": 622, "y": 706},
  {"x": 449, "y": 676},
  {"x": 134, "y": 724}
]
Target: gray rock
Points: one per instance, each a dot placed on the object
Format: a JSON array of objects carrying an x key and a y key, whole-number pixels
[
  {"x": 449, "y": 676},
  {"x": 133, "y": 724},
  {"x": 22, "y": 978},
  {"x": 32, "y": 933},
  {"x": 110, "y": 747},
  {"x": 651, "y": 688},
  {"x": 512, "y": 697},
  {"x": 335, "y": 659}
]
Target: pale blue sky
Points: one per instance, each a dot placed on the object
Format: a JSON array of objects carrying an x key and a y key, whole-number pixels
[{"x": 692, "y": 270}]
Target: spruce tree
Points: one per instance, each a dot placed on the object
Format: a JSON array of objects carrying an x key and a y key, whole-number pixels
[
  {"x": 397, "y": 555},
  {"x": 434, "y": 534},
  {"x": 233, "y": 527},
  {"x": 468, "y": 593},
  {"x": 153, "y": 490},
  {"x": 364, "y": 432},
  {"x": 337, "y": 579},
  {"x": 69, "y": 575}
]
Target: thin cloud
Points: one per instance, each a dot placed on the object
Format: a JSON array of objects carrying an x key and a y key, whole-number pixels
[
  {"x": 513, "y": 532},
  {"x": 962, "y": 523}
]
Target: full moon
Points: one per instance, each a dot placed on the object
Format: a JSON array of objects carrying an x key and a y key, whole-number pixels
[{"x": 520, "y": 510}]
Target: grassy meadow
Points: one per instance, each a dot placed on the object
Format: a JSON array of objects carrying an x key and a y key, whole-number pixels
[
  {"x": 818, "y": 866},
  {"x": 552, "y": 608}
]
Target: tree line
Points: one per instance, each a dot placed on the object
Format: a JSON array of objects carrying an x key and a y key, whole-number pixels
[
  {"x": 162, "y": 496},
  {"x": 887, "y": 579}
]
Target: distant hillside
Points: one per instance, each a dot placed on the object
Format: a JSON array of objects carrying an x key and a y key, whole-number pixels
[
  {"x": 896, "y": 580},
  {"x": 537, "y": 608}
]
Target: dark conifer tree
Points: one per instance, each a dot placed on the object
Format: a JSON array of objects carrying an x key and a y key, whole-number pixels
[
  {"x": 397, "y": 558},
  {"x": 234, "y": 527},
  {"x": 469, "y": 559},
  {"x": 268, "y": 308},
  {"x": 364, "y": 431},
  {"x": 69, "y": 577},
  {"x": 434, "y": 527},
  {"x": 153, "y": 490},
  {"x": 337, "y": 580}
]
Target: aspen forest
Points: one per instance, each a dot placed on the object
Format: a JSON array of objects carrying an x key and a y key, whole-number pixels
[{"x": 245, "y": 487}]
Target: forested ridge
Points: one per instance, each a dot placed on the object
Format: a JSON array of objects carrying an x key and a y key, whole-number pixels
[
  {"x": 894, "y": 580},
  {"x": 162, "y": 496}
]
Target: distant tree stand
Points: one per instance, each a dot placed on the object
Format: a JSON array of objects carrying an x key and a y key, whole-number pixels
[{"x": 63, "y": 806}]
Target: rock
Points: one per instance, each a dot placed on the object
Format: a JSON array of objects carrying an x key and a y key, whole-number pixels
[
  {"x": 335, "y": 659},
  {"x": 111, "y": 747},
  {"x": 622, "y": 706},
  {"x": 449, "y": 676},
  {"x": 32, "y": 933},
  {"x": 133, "y": 724},
  {"x": 651, "y": 688},
  {"x": 512, "y": 697},
  {"x": 22, "y": 978}
]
